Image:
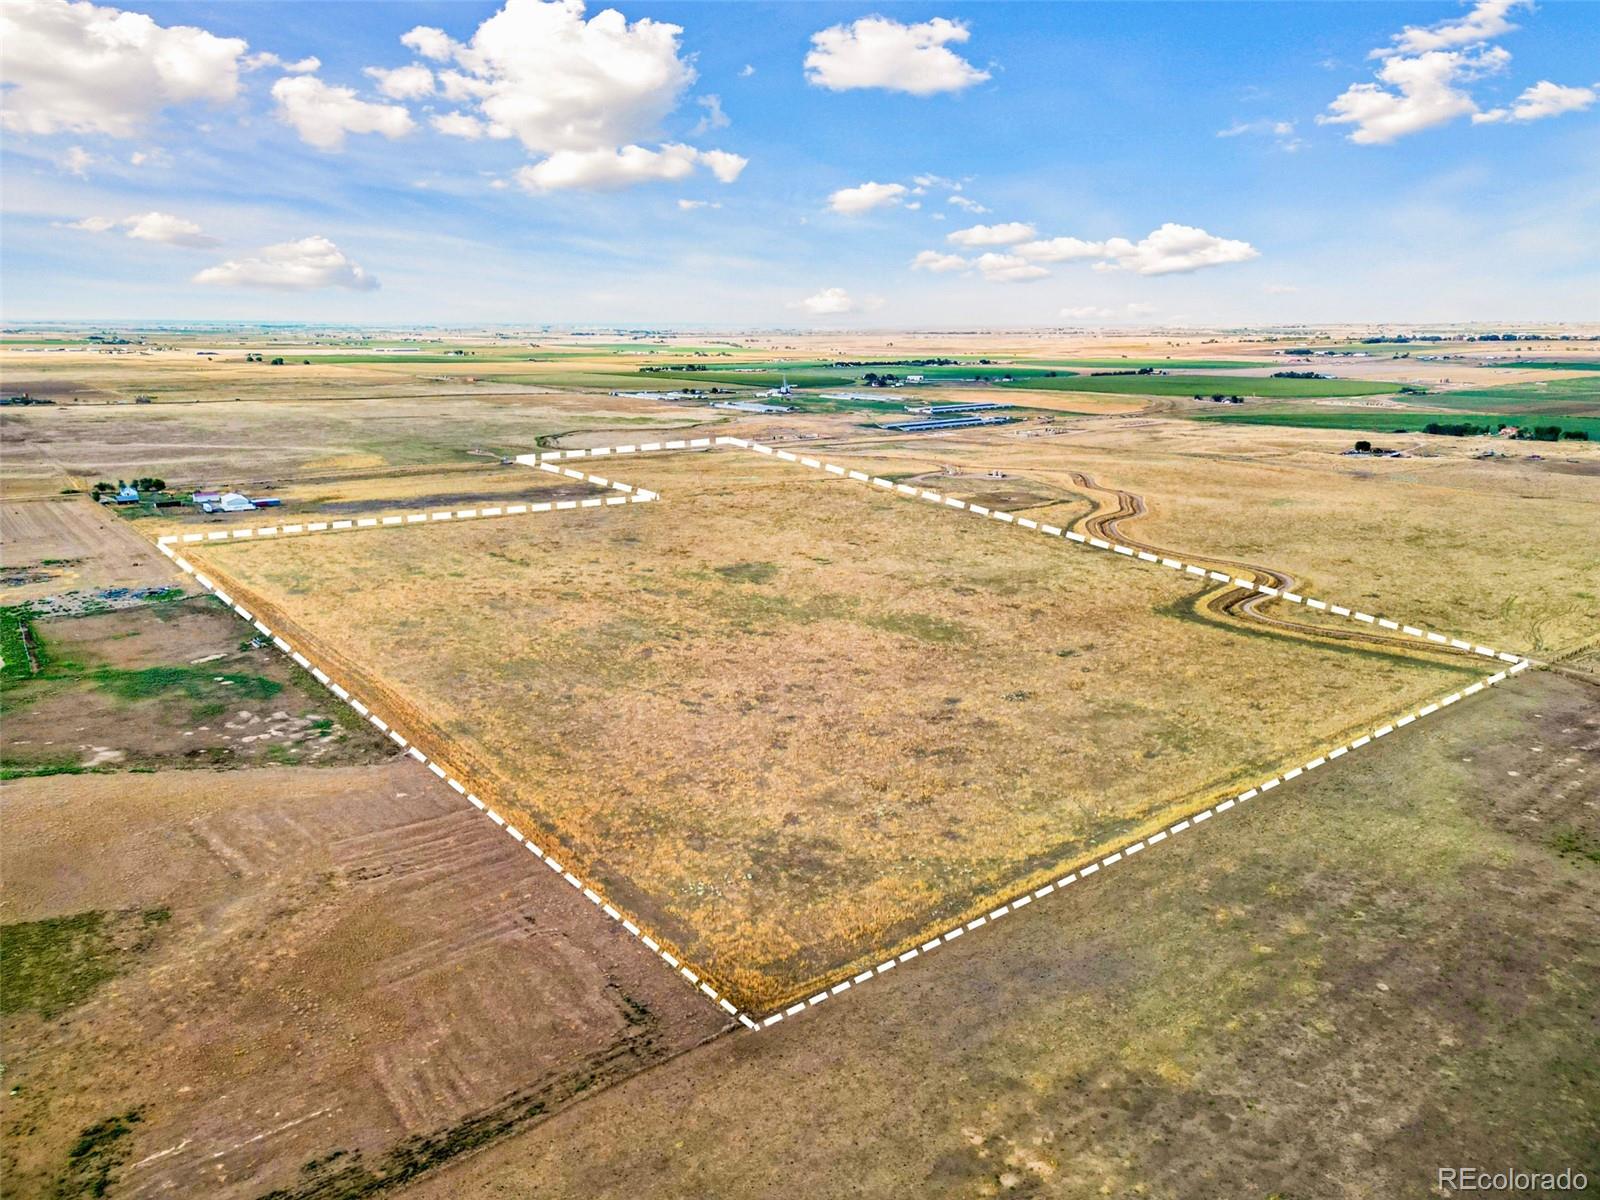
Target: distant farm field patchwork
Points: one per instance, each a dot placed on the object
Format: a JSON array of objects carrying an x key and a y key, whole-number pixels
[
  {"x": 790, "y": 724},
  {"x": 1398, "y": 420},
  {"x": 1575, "y": 397},
  {"x": 1040, "y": 376},
  {"x": 1206, "y": 385},
  {"x": 1568, "y": 404}
]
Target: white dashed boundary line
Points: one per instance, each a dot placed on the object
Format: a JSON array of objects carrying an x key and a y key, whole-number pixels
[
  {"x": 1516, "y": 663},
  {"x": 1127, "y": 851},
  {"x": 545, "y": 461},
  {"x": 627, "y": 495},
  {"x": 455, "y": 785},
  {"x": 908, "y": 492}
]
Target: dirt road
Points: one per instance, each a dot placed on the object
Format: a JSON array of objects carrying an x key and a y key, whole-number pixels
[{"x": 1116, "y": 508}]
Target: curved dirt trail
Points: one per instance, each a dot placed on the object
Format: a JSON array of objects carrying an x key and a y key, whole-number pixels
[{"x": 1114, "y": 506}]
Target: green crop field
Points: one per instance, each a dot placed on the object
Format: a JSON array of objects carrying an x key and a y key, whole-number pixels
[
  {"x": 1206, "y": 385},
  {"x": 653, "y": 380},
  {"x": 648, "y": 348},
  {"x": 883, "y": 364},
  {"x": 1129, "y": 364},
  {"x": 1043, "y": 377},
  {"x": 1544, "y": 365},
  {"x": 292, "y": 358},
  {"x": 829, "y": 377},
  {"x": 1571, "y": 397},
  {"x": 579, "y": 379},
  {"x": 991, "y": 372},
  {"x": 1389, "y": 420}
]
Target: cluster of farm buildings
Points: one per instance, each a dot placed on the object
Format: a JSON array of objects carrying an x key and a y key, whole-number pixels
[{"x": 209, "y": 502}]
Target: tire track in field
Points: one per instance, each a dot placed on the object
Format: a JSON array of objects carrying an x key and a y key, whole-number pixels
[{"x": 1114, "y": 506}]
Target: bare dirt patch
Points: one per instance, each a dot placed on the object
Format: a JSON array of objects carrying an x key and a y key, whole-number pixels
[
  {"x": 351, "y": 977},
  {"x": 176, "y": 683},
  {"x": 71, "y": 544}
]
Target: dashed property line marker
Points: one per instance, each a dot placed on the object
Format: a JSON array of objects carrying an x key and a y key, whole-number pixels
[
  {"x": 546, "y": 461},
  {"x": 1115, "y": 548},
  {"x": 628, "y": 495},
  {"x": 1517, "y": 665},
  {"x": 1125, "y": 852},
  {"x": 455, "y": 785}
]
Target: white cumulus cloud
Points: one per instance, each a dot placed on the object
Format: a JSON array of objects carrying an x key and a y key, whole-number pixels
[
  {"x": 966, "y": 204},
  {"x": 724, "y": 164},
  {"x": 459, "y": 124},
  {"x": 403, "y": 83},
  {"x": 75, "y": 160},
  {"x": 322, "y": 114},
  {"x": 1543, "y": 99},
  {"x": 877, "y": 52},
  {"x": 91, "y": 224},
  {"x": 866, "y": 197},
  {"x": 87, "y": 68},
  {"x": 160, "y": 227},
  {"x": 934, "y": 260},
  {"x": 430, "y": 43},
  {"x": 992, "y": 235},
  {"x": 1413, "y": 93},
  {"x": 588, "y": 94},
  {"x": 259, "y": 62},
  {"x": 715, "y": 118},
  {"x": 835, "y": 301},
  {"x": 1488, "y": 19},
  {"x": 1008, "y": 268},
  {"x": 310, "y": 263},
  {"x": 1423, "y": 77},
  {"x": 605, "y": 169},
  {"x": 167, "y": 229},
  {"x": 1174, "y": 249},
  {"x": 1061, "y": 249},
  {"x": 560, "y": 82},
  {"x": 1169, "y": 250}
]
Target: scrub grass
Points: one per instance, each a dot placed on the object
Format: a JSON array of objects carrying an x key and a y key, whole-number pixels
[{"x": 789, "y": 723}]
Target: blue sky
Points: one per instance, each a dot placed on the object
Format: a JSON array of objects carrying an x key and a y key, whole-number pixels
[{"x": 1127, "y": 164}]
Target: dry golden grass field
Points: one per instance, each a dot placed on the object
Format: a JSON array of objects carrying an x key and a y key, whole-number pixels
[
  {"x": 368, "y": 493},
  {"x": 1389, "y": 967},
  {"x": 1506, "y": 549},
  {"x": 293, "y": 981},
  {"x": 790, "y": 724},
  {"x": 264, "y": 443}
]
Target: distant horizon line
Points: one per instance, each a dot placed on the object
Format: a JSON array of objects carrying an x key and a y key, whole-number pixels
[{"x": 635, "y": 330}]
